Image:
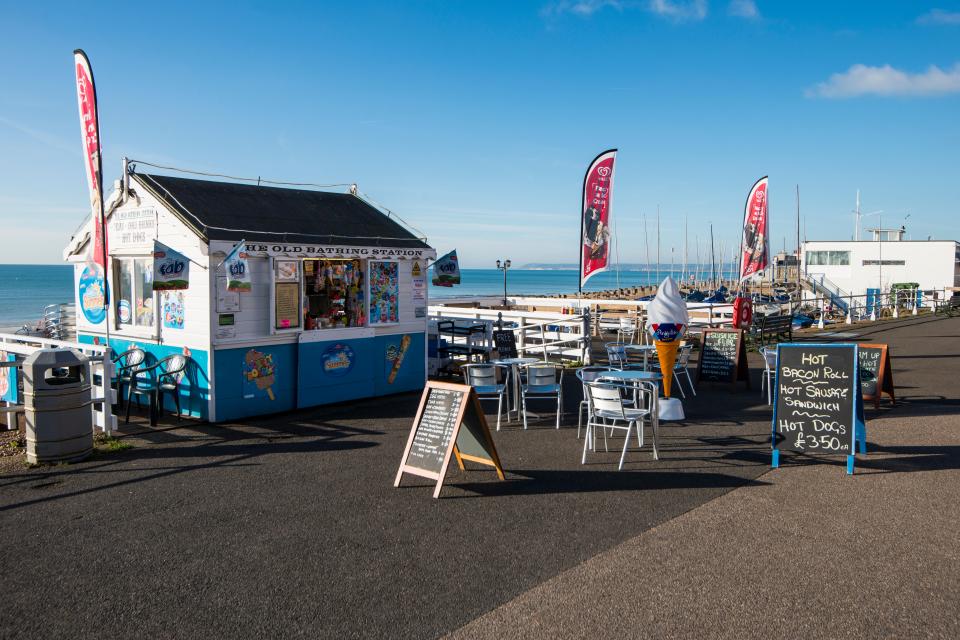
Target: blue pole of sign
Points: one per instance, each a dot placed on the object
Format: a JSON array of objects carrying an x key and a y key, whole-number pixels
[
  {"x": 775, "y": 458},
  {"x": 850, "y": 465}
]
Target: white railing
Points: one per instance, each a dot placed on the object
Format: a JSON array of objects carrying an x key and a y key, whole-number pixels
[
  {"x": 540, "y": 333},
  {"x": 101, "y": 372},
  {"x": 890, "y": 304}
]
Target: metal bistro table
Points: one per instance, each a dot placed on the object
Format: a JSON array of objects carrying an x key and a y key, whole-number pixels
[
  {"x": 514, "y": 365},
  {"x": 633, "y": 378},
  {"x": 645, "y": 349}
]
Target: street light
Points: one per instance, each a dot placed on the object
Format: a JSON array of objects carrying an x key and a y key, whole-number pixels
[{"x": 503, "y": 266}]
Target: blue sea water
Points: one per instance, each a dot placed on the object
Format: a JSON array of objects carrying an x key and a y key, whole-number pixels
[
  {"x": 536, "y": 282},
  {"x": 26, "y": 289}
]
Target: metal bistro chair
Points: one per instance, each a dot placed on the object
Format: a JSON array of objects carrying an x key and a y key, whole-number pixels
[
  {"x": 154, "y": 381},
  {"x": 627, "y": 329},
  {"x": 616, "y": 354},
  {"x": 483, "y": 379},
  {"x": 126, "y": 365},
  {"x": 610, "y": 413},
  {"x": 544, "y": 381},
  {"x": 585, "y": 375},
  {"x": 769, "y": 372}
]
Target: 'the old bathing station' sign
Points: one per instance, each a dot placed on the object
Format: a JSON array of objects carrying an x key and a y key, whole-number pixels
[{"x": 818, "y": 406}]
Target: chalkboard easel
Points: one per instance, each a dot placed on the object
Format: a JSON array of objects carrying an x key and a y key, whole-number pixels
[
  {"x": 876, "y": 373},
  {"x": 723, "y": 357},
  {"x": 818, "y": 403},
  {"x": 449, "y": 423},
  {"x": 505, "y": 342}
]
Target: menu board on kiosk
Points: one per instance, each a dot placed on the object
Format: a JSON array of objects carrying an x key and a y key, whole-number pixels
[
  {"x": 449, "y": 422},
  {"x": 818, "y": 406}
]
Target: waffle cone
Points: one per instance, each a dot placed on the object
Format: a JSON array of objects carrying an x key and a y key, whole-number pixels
[{"x": 667, "y": 354}]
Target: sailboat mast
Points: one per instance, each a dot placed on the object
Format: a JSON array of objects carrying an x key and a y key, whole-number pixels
[
  {"x": 658, "y": 245},
  {"x": 686, "y": 241},
  {"x": 713, "y": 259}
]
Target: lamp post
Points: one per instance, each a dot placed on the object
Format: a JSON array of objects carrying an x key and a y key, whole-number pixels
[{"x": 503, "y": 266}]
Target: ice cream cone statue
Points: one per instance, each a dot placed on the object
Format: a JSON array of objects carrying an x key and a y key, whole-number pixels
[{"x": 667, "y": 320}]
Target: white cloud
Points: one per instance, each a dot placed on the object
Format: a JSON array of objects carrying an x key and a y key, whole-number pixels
[
  {"x": 744, "y": 9},
  {"x": 940, "y": 17},
  {"x": 861, "y": 80},
  {"x": 679, "y": 10},
  {"x": 579, "y": 7}
]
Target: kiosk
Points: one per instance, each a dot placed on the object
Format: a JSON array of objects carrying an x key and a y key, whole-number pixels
[{"x": 336, "y": 308}]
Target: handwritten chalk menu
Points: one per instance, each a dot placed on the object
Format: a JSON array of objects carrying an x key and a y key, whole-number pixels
[
  {"x": 438, "y": 420},
  {"x": 876, "y": 374},
  {"x": 723, "y": 357},
  {"x": 505, "y": 343},
  {"x": 449, "y": 422},
  {"x": 818, "y": 407}
]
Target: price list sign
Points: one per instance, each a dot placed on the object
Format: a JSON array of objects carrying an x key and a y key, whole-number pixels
[
  {"x": 818, "y": 407},
  {"x": 876, "y": 374},
  {"x": 435, "y": 430},
  {"x": 449, "y": 422},
  {"x": 723, "y": 357}
]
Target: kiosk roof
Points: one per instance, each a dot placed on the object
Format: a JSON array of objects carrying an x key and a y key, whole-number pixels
[{"x": 232, "y": 211}]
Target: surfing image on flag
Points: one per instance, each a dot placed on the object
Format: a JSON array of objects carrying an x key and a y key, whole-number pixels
[
  {"x": 596, "y": 216},
  {"x": 754, "y": 247}
]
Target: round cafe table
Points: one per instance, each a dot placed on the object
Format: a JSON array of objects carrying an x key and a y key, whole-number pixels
[
  {"x": 514, "y": 365},
  {"x": 645, "y": 349}
]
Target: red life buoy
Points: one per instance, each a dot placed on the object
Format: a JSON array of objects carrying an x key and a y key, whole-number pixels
[{"x": 742, "y": 313}]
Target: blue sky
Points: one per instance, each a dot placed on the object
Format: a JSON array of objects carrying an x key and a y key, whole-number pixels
[{"x": 475, "y": 120}]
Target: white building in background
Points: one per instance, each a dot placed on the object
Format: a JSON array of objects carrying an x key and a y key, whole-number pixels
[{"x": 884, "y": 260}]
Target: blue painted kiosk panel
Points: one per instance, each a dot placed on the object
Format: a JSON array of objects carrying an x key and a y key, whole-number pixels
[
  {"x": 402, "y": 363},
  {"x": 255, "y": 381},
  {"x": 335, "y": 371}
]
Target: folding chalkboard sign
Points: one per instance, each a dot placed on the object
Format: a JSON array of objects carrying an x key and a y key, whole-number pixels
[
  {"x": 818, "y": 405},
  {"x": 876, "y": 374},
  {"x": 449, "y": 422},
  {"x": 723, "y": 357},
  {"x": 505, "y": 342}
]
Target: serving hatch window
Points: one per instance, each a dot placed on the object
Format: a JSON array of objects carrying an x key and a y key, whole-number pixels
[
  {"x": 333, "y": 294},
  {"x": 133, "y": 302}
]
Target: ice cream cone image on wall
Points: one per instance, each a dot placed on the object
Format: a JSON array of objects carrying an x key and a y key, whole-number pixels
[{"x": 667, "y": 320}]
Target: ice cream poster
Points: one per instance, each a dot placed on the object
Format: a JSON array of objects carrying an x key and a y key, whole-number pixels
[
  {"x": 172, "y": 309},
  {"x": 171, "y": 269},
  {"x": 384, "y": 289},
  {"x": 337, "y": 360},
  {"x": 395, "y": 355},
  {"x": 258, "y": 374},
  {"x": 92, "y": 294}
]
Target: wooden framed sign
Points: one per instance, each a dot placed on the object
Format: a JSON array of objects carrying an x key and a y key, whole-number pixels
[
  {"x": 505, "y": 342},
  {"x": 723, "y": 357},
  {"x": 818, "y": 407},
  {"x": 876, "y": 374},
  {"x": 449, "y": 423}
]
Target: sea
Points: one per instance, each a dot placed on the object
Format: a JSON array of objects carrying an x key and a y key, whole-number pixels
[{"x": 26, "y": 289}]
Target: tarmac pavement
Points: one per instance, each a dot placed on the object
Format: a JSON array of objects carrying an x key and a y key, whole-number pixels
[{"x": 289, "y": 526}]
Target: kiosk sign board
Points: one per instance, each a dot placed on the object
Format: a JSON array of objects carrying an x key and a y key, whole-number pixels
[{"x": 818, "y": 406}]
